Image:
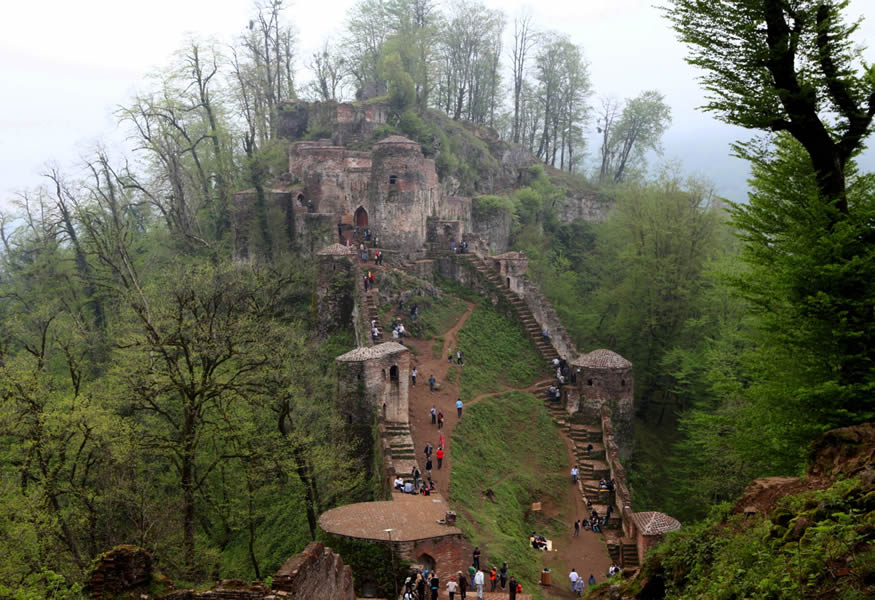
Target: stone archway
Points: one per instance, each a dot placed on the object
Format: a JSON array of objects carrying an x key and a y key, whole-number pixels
[
  {"x": 426, "y": 561},
  {"x": 360, "y": 217}
]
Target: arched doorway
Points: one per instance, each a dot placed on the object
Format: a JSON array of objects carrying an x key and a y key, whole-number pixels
[
  {"x": 393, "y": 373},
  {"x": 426, "y": 561},
  {"x": 361, "y": 217}
]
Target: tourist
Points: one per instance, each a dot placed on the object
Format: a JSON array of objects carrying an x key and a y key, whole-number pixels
[
  {"x": 375, "y": 333},
  {"x": 476, "y": 562},
  {"x": 573, "y": 577},
  {"x": 367, "y": 283},
  {"x": 502, "y": 576},
  {"x": 399, "y": 483},
  {"x": 463, "y": 585},
  {"x": 428, "y": 449},
  {"x": 453, "y": 246},
  {"x": 425, "y": 490},
  {"x": 459, "y": 356},
  {"x": 409, "y": 488},
  {"x": 610, "y": 510},
  {"x": 555, "y": 363},
  {"x": 440, "y": 419},
  {"x": 433, "y": 411},
  {"x": 428, "y": 465},
  {"x": 395, "y": 334},
  {"x": 577, "y": 587},
  {"x": 441, "y": 441},
  {"x": 575, "y": 473},
  {"x": 420, "y": 587},
  {"x": 512, "y": 588},
  {"x": 493, "y": 579},
  {"x": 449, "y": 355},
  {"x": 440, "y": 457},
  {"x": 431, "y": 382},
  {"x": 414, "y": 310},
  {"x": 577, "y": 528},
  {"x": 434, "y": 584},
  {"x": 452, "y": 587},
  {"x": 589, "y": 449},
  {"x": 416, "y": 476},
  {"x": 545, "y": 335},
  {"x": 614, "y": 570},
  {"x": 459, "y": 407},
  {"x": 591, "y": 580},
  {"x": 478, "y": 581},
  {"x": 401, "y": 331},
  {"x": 413, "y": 375},
  {"x": 472, "y": 570}
]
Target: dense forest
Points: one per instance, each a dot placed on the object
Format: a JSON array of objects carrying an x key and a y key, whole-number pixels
[{"x": 153, "y": 391}]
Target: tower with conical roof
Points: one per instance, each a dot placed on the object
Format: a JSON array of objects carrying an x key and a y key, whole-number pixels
[{"x": 604, "y": 378}]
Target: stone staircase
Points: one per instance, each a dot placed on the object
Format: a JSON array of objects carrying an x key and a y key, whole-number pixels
[
  {"x": 401, "y": 449},
  {"x": 623, "y": 551}
]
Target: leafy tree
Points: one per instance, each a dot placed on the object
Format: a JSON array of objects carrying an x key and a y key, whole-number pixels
[{"x": 626, "y": 140}]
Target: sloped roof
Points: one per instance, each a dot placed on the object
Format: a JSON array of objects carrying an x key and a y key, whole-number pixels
[
  {"x": 601, "y": 359},
  {"x": 655, "y": 523},
  {"x": 396, "y": 139},
  {"x": 369, "y": 352},
  {"x": 512, "y": 255},
  {"x": 336, "y": 250}
]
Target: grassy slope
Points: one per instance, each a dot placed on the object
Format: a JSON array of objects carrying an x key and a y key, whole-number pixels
[
  {"x": 496, "y": 354},
  {"x": 508, "y": 444}
]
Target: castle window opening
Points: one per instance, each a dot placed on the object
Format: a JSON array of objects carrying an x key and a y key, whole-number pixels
[
  {"x": 393, "y": 373},
  {"x": 393, "y": 179},
  {"x": 508, "y": 282},
  {"x": 300, "y": 201},
  {"x": 622, "y": 383},
  {"x": 589, "y": 382}
]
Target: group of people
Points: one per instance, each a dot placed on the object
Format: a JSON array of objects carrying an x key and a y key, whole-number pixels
[
  {"x": 426, "y": 584},
  {"x": 398, "y": 333},
  {"x": 577, "y": 583},
  {"x": 417, "y": 486},
  {"x": 539, "y": 542},
  {"x": 458, "y": 356},
  {"x": 369, "y": 280},
  {"x": 460, "y": 248}
]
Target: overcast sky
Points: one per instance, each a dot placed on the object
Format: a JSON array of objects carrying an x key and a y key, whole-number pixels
[{"x": 65, "y": 65}]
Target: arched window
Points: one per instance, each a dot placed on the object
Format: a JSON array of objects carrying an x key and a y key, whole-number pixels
[
  {"x": 393, "y": 179},
  {"x": 589, "y": 382},
  {"x": 622, "y": 383},
  {"x": 393, "y": 373}
]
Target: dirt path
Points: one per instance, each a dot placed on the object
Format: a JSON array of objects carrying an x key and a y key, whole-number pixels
[{"x": 586, "y": 553}]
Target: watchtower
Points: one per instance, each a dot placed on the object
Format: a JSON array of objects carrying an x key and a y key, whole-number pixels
[{"x": 605, "y": 378}]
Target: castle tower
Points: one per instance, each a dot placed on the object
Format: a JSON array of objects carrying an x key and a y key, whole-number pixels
[
  {"x": 373, "y": 380},
  {"x": 605, "y": 378},
  {"x": 335, "y": 288},
  {"x": 403, "y": 191}
]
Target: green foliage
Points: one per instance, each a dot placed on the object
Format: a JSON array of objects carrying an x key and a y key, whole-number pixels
[
  {"x": 484, "y": 206},
  {"x": 815, "y": 544},
  {"x": 507, "y": 444},
  {"x": 496, "y": 354}
]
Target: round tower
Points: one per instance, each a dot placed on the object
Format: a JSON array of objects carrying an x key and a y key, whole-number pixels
[{"x": 605, "y": 378}]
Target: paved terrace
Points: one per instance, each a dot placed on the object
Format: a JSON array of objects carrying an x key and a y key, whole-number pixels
[{"x": 410, "y": 517}]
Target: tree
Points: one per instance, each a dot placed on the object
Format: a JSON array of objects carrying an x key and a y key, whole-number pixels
[
  {"x": 524, "y": 41},
  {"x": 785, "y": 65},
  {"x": 791, "y": 67},
  {"x": 329, "y": 71},
  {"x": 626, "y": 140}
]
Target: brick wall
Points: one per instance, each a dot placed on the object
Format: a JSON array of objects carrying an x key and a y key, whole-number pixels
[{"x": 316, "y": 573}]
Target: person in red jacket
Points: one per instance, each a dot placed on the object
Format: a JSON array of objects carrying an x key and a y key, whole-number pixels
[{"x": 440, "y": 457}]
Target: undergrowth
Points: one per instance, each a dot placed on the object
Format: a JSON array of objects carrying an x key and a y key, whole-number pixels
[
  {"x": 509, "y": 445},
  {"x": 496, "y": 354}
]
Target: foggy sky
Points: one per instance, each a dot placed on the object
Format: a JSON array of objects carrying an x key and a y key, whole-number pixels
[{"x": 65, "y": 66}]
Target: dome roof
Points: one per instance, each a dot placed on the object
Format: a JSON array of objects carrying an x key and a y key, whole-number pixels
[
  {"x": 601, "y": 359},
  {"x": 655, "y": 523},
  {"x": 395, "y": 139},
  {"x": 369, "y": 352},
  {"x": 336, "y": 250}
]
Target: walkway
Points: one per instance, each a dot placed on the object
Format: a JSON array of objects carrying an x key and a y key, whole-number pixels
[{"x": 586, "y": 553}]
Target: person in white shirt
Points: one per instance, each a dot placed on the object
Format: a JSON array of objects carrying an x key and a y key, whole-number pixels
[
  {"x": 575, "y": 473},
  {"x": 573, "y": 577},
  {"x": 399, "y": 483},
  {"x": 478, "y": 583}
]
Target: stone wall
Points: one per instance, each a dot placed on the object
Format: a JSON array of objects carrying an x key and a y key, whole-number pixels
[
  {"x": 252, "y": 233},
  {"x": 346, "y": 123},
  {"x": 121, "y": 569},
  {"x": 612, "y": 387},
  {"x": 587, "y": 206},
  {"x": 316, "y": 573},
  {"x": 449, "y": 554},
  {"x": 493, "y": 228},
  {"x": 335, "y": 293},
  {"x": 618, "y": 473}
]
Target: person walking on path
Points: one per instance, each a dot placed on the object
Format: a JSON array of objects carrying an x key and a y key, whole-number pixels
[
  {"x": 433, "y": 413},
  {"x": 575, "y": 473},
  {"x": 435, "y": 585},
  {"x": 471, "y": 572},
  {"x": 573, "y": 577},
  {"x": 428, "y": 449},
  {"x": 440, "y": 419},
  {"x": 431, "y": 382},
  {"x": 478, "y": 583},
  {"x": 493, "y": 579},
  {"x": 476, "y": 562},
  {"x": 416, "y": 476},
  {"x": 452, "y": 587},
  {"x": 413, "y": 375},
  {"x": 502, "y": 576},
  {"x": 577, "y": 528},
  {"x": 459, "y": 357},
  {"x": 428, "y": 466},
  {"x": 450, "y": 355},
  {"x": 463, "y": 585},
  {"x": 440, "y": 457},
  {"x": 459, "y": 407},
  {"x": 512, "y": 589},
  {"x": 577, "y": 587},
  {"x": 591, "y": 581}
]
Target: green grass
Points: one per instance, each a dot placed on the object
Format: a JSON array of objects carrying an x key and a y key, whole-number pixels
[
  {"x": 508, "y": 444},
  {"x": 496, "y": 354},
  {"x": 436, "y": 315}
]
